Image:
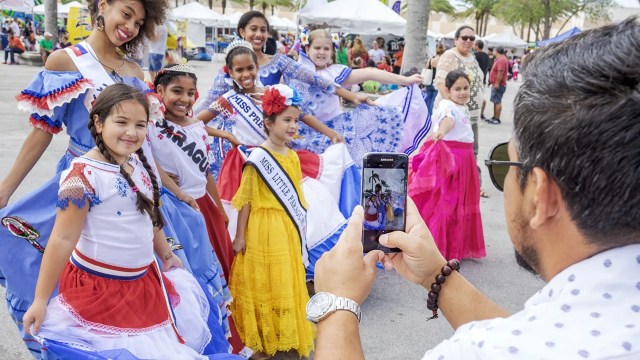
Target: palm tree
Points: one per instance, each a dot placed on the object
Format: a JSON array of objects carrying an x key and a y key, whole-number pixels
[
  {"x": 481, "y": 11},
  {"x": 373, "y": 179},
  {"x": 415, "y": 49},
  {"x": 51, "y": 18}
]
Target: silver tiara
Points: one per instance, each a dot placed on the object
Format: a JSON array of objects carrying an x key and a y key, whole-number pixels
[
  {"x": 238, "y": 43},
  {"x": 183, "y": 68}
]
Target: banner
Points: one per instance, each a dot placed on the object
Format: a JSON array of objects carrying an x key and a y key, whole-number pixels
[{"x": 78, "y": 24}]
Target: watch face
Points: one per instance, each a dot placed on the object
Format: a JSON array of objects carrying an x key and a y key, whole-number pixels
[{"x": 318, "y": 305}]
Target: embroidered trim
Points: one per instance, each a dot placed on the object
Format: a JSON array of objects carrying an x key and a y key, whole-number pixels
[
  {"x": 76, "y": 188},
  {"x": 108, "y": 328},
  {"x": 44, "y": 103}
]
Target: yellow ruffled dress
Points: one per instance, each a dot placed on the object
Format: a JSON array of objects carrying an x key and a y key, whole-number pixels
[{"x": 268, "y": 280}]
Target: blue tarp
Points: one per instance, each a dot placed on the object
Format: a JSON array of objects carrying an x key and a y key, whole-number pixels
[{"x": 565, "y": 35}]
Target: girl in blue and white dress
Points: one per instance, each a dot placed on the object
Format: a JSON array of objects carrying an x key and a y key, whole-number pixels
[
  {"x": 113, "y": 295},
  {"x": 399, "y": 123},
  {"x": 59, "y": 98},
  {"x": 253, "y": 27},
  {"x": 331, "y": 183}
]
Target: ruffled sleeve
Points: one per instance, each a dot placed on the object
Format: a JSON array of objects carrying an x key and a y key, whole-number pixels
[
  {"x": 77, "y": 186},
  {"x": 47, "y": 96},
  {"x": 248, "y": 188},
  {"x": 446, "y": 108},
  {"x": 292, "y": 70},
  {"x": 217, "y": 89},
  {"x": 222, "y": 111}
]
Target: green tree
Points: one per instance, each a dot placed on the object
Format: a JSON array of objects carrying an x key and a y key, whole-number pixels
[{"x": 481, "y": 10}]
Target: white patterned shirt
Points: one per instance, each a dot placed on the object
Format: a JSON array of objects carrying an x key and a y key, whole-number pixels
[{"x": 590, "y": 310}]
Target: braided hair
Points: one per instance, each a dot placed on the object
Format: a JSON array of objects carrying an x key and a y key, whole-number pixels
[{"x": 110, "y": 98}]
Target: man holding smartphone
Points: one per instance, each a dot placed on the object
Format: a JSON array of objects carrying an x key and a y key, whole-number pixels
[{"x": 573, "y": 217}]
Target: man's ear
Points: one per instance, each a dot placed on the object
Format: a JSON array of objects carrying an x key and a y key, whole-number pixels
[{"x": 546, "y": 198}]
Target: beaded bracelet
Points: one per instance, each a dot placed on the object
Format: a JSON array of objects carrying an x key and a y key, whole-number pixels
[{"x": 432, "y": 297}]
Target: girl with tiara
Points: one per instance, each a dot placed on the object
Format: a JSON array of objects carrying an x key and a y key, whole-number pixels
[
  {"x": 112, "y": 293},
  {"x": 180, "y": 145},
  {"x": 60, "y": 97},
  {"x": 253, "y": 27},
  {"x": 331, "y": 182},
  {"x": 268, "y": 276},
  {"x": 399, "y": 125}
]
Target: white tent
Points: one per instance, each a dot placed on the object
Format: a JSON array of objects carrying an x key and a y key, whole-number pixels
[
  {"x": 311, "y": 6},
  {"x": 63, "y": 9},
  {"x": 233, "y": 19},
  {"x": 199, "y": 17},
  {"x": 357, "y": 16},
  {"x": 281, "y": 23},
  {"x": 16, "y": 5},
  {"x": 505, "y": 39},
  {"x": 198, "y": 13}
]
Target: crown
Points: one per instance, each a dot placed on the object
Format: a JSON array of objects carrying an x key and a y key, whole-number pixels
[
  {"x": 182, "y": 68},
  {"x": 238, "y": 43}
]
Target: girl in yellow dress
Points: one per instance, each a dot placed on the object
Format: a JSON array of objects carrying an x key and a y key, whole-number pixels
[{"x": 268, "y": 276}]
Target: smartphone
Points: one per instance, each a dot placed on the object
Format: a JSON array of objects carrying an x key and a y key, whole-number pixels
[{"x": 384, "y": 197}]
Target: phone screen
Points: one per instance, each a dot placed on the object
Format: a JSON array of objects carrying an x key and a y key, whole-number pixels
[{"x": 384, "y": 197}]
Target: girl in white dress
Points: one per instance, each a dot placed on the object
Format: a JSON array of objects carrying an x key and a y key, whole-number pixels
[{"x": 112, "y": 294}]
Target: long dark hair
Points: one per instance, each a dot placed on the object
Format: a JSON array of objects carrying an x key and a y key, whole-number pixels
[{"x": 109, "y": 99}]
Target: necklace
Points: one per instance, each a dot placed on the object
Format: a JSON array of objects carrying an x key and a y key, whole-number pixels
[{"x": 115, "y": 72}]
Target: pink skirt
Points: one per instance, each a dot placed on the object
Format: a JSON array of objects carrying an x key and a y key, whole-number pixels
[{"x": 443, "y": 182}]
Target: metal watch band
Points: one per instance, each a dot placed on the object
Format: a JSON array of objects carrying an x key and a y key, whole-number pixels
[{"x": 349, "y": 305}]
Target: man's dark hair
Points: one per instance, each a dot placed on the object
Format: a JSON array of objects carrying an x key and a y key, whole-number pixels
[
  {"x": 480, "y": 44},
  {"x": 500, "y": 50},
  {"x": 577, "y": 117}
]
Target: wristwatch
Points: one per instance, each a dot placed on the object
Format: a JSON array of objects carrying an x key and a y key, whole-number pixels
[{"x": 324, "y": 304}]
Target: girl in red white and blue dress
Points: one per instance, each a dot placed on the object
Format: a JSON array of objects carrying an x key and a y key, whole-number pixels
[{"x": 112, "y": 292}]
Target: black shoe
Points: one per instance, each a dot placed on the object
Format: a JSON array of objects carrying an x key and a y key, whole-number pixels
[{"x": 494, "y": 121}]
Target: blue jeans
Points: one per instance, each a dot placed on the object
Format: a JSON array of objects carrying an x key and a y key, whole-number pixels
[{"x": 9, "y": 52}]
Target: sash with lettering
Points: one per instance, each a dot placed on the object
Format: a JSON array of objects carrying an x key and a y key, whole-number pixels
[
  {"x": 282, "y": 187},
  {"x": 248, "y": 126},
  {"x": 86, "y": 61}
]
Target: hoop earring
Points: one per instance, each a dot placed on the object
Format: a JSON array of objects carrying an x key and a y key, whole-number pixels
[{"x": 100, "y": 23}]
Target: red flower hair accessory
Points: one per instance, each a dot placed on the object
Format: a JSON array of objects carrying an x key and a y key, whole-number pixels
[{"x": 273, "y": 102}]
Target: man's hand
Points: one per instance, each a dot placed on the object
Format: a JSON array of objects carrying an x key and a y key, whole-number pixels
[
  {"x": 420, "y": 260},
  {"x": 343, "y": 271}
]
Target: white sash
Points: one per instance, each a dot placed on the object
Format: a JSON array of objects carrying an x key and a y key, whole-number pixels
[
  {"x": 85, "y": 60},
  {"x": 248, "y": 127},
  {"x": 282, "y": 187}
]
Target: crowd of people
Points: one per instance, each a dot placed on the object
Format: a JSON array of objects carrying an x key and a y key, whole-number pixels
[
  {"x": 21, "y": 36},
  {"x": 155, "y": 241}
]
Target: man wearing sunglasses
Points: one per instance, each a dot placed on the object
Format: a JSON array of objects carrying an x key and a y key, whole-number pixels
[{"x": 570, "y": 176}]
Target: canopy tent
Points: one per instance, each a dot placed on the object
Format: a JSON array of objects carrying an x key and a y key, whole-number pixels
[
  {"x": 198, "y": 18},
  {"x": 63, "y": 9},
  {"x": 505, "y": 39},
  {"x": 17, "y": 5},
  {"x": 565, "y": 35},
  {"x": 311, "y": 6},
  {"x": 356, "y": 16},
  {"x": 233, "y": 19},
  {"x": 198, "y": 13},
  {"x": 281, "y": 23}
]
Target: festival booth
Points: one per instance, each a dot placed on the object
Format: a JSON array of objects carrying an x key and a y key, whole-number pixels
[
  {"x": 201, "y": 22},
  {"x": 24, "y": 6},
  {"x": 564, "y": 36},
  {"x": 355, "y": 16}
]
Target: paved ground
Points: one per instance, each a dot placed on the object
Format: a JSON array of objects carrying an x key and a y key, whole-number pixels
[{"x": 393, "y": 325}]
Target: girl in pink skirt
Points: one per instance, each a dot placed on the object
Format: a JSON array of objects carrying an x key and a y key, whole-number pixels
[{"x": 443, "y": 180}]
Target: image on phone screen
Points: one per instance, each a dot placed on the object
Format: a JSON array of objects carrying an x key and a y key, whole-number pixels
[{"x": 384, "y": 197}]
